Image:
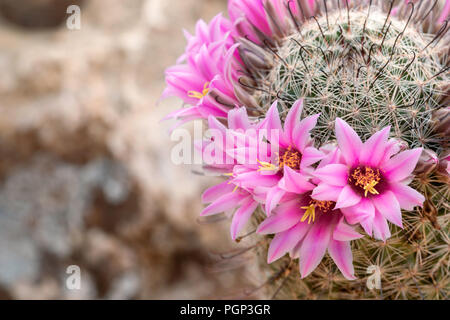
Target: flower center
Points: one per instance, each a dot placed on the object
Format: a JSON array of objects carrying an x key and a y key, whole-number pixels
[
  {"x": 291, "y": 158},
  {"x": 199, "y": 95},
  {"x": 322, "y": 206},
  {"x": 365, "y": 179}
]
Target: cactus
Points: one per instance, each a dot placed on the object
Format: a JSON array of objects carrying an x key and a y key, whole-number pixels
[
  {"x": 372, "y": 73},
  {"x": 373, "y": 64}
]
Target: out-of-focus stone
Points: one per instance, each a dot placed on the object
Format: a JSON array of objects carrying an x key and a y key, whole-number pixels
[{"x": 36, "y": 13}]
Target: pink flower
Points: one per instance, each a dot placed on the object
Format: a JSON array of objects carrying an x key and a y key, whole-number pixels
[
  {"x": 306, "y": 228},
  {"x": 248, "y": 15},
  {"x": 368, "y": 182},
  {"x": 272, "y": 178},
  {"x": 286, "y": 170},
  {"x": 228, "y": 196},
  {"x": 252, "y": 18},
  {"x": 204, "y": 75}
]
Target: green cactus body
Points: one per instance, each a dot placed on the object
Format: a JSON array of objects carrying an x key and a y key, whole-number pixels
[{"x": 368, "y": 76}]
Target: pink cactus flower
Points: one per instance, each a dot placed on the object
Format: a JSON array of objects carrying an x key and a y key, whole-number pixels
[
  {"x": 240, "y": 200},
  {"x": 305, "y": 227},
  {"x": 251, "y": 18},
  {"x": 214, "y": 150},
  {"x": 313, "y": 198},
  {"x": 286, "y": 170},
  {"x": 204, "y": 75},
  {"x": 369, "y": 181}
]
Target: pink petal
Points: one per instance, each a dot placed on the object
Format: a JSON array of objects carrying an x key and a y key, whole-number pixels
[
  {"x": 393, "y": 147},
  {"x": 315, "y": 244},
  {"x": 310, "y": 155},
  {"x": 294, "y": 253},
  {"x": 301, "y": 136},
  {"x": 213, "y": 123},
  {"x": 295, "y": 182},
  {"x": 273, "y": 198},
  {"x": 374, "y": 149},
  {"x": 215, "y": 192},
  {"x": 349, "y": 142},
  {"x": 254, "y": 179},
  {"x": 326, "y": 192},
  {"x": 260, "y": 194},
  {"x": 341, "y": 253},
  {"x": 387, "y": 204},
  {"x": 345, "y": 232},
  {"x": 245, "y": 156},
  {"x": 285, "y": 241},
  {"x": 286, "y": 216},
  {"x": 239, "y": 138},
  {"x": 402, "y": 165},
  {"x": 332, "y": 155},
  {"x": 292, "y": 118},
  {"x": 238, "y": 119},
  {"x": 334, "y": 174},
  {"x": 362, "y": 213},
  {"x": 367, "y": 224},
  {"x": 273, "y": 121},
  {"x": 347, "y": 198},
  {"x": 445, "y": 12},
  {"x": 242, "y": 215},
  {"x": 407, "y": 197},
  {"x": 224, "y": 203},
  {"x": 380, "y": 227}
]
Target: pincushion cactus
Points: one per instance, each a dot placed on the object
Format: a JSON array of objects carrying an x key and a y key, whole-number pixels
[{"x": 330, "y": 126}]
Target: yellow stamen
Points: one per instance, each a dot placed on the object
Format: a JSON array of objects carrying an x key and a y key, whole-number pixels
[
  {"x": 309, "y": 214},
  {"x": 199, "y": 95},
  {"x": 266, "y": 166},
  {"x": 371, "y": 188},
  {"x": 291, "y": 158},
  {"x": 235, "y": 188},
  {"x": 366, "y": 178}
]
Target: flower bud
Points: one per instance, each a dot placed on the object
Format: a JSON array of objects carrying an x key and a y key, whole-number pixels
[
  {"x": 427, "y": 163},
  {"x": 442, "y": 121}
]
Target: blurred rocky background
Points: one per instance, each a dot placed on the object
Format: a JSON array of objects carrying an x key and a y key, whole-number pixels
[{"x": 85, "y": 171}]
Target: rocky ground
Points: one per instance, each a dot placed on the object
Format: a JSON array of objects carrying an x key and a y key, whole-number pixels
[{"x": 85, "y": 175}]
